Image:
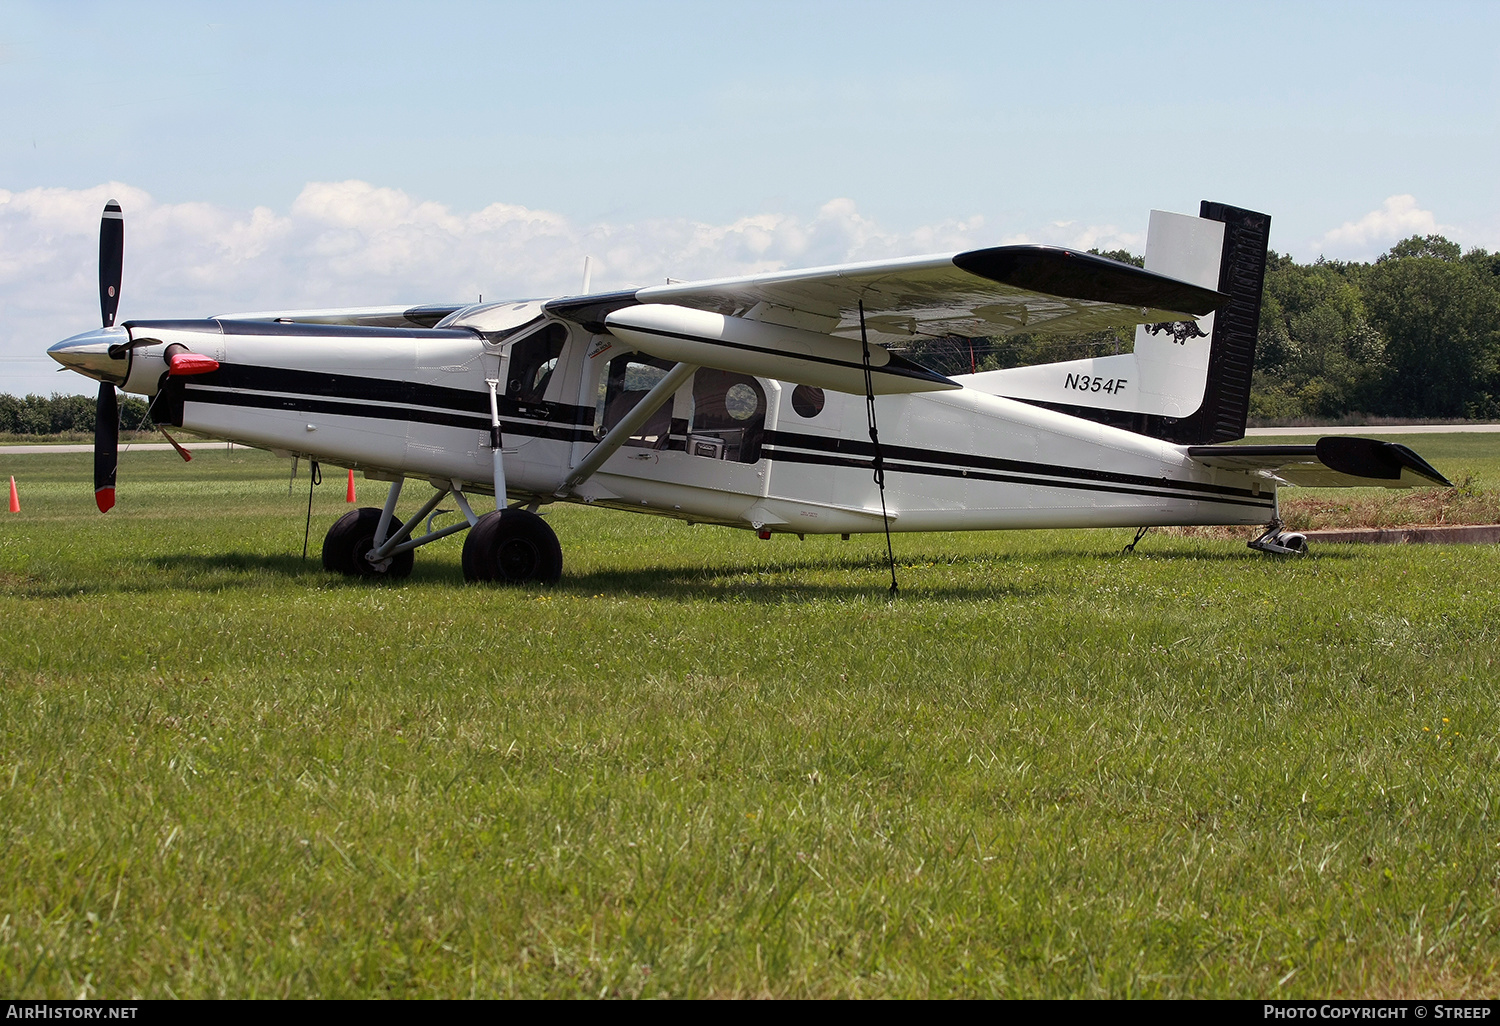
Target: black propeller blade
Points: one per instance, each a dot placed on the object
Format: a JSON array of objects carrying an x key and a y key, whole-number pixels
[
  {"x": 107, "y": 413},
  {"x": 106, "y": 447},
  {"x": 111, "y": 259}
]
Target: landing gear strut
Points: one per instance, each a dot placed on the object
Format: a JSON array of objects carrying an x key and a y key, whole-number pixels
[{"x": 1280, "y": 543}]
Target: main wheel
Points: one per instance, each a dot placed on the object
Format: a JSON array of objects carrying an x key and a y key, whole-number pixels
[
  {"x": 350, "y": 540},
  {"x": 512, "y": 546}
]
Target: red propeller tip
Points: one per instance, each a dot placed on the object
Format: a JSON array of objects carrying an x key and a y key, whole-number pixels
[
  {"x": 105, "y": 497},
  {"x": 183, "y": 364}
]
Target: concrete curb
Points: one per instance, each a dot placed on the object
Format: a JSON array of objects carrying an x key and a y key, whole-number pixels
[{"x": 1481, "y": 534}]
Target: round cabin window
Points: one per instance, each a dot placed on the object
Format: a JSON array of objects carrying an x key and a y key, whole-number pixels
[
  {"x": 741, "y": 402},
  {"x": 807, "y": 400}
]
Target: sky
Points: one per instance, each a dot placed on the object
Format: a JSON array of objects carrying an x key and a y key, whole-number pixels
[{"x": 286, "y": 156}]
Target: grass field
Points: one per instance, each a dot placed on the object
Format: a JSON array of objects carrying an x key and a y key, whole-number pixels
[{"x": 710, "y": 765}]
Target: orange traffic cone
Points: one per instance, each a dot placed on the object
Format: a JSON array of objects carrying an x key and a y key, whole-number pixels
[
  {"x": 15, "y": 500},
  {"x": 350, "y": 496}
]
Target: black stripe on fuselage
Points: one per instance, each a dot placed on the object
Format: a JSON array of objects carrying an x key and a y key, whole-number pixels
[
  {"x": 847, "y": 452},
  {"x": 892, "y": 467},
  {"x": 271, "y": 388}
]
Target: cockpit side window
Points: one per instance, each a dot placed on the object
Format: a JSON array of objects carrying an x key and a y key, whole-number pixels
[
  {"x": 630, "y": 378},
  {"x": 532, "y": 361}
]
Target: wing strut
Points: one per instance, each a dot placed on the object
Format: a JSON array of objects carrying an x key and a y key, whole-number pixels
[
  {"x": 864, "y": 341},
  {"x": 628, "y": 425}
]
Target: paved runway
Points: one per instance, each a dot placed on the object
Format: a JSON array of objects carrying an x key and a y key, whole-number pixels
[
  {"x": 188, "y": 444},
  {"x": 1389, "y": 429}
]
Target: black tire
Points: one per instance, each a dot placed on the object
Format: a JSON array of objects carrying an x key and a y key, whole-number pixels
[
  {"x": 353, "y": 535},
  {"x": 512, "y": 546}
]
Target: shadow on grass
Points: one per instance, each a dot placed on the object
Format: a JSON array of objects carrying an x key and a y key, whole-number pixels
[
  {"x": 189, "y": 572},
  {"x": 1247, "y": 555},
  {"x": 749, "y": 581},
  {"x": 773, "y": 585},
  {"x": 989, "y": 575},
  {"x": 279, "y": 565}
]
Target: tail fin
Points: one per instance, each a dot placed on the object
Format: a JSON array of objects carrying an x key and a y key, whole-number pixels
[{"x": 1187, "y": 383}]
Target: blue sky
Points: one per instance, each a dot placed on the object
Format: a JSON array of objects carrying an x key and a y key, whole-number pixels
[{"x": 649, "y": 134}]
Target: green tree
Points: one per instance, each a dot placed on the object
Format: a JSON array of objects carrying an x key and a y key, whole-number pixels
[
  {"x": 1318, "y": 355},
  {"x": 1440, "y": 316},
  {"x": 1434, "y": 246}
]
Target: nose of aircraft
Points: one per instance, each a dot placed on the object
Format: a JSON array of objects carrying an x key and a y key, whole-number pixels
[{"x": 89, "y": 354}]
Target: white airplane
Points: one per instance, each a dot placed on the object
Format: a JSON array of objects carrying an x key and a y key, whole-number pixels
[{"x": 777, "y": 403}]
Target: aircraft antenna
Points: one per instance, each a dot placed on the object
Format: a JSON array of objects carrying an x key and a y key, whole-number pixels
[{"x": 890, "y": 554}]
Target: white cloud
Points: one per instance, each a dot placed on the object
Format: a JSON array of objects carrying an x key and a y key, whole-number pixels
[
  {"x": 353, "y": 243},
  {"x": 1398, "y": 218}
]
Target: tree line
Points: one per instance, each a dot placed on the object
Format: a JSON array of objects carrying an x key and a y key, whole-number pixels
[
  {"x": 1414, "y": 334},
  {"x": 62, "y": 414}
]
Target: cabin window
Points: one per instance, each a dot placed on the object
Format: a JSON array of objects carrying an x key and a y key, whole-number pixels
[
  {"x": 630, "y": 378},
  {"x": 729, "y": 416},
  {"x": 532, "y": 361},
  {"x": 807, "y": 400}
]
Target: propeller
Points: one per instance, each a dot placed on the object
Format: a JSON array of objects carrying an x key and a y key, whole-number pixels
[
  {"x": 107, "y": 413},
  {"x": 84, "y": 353}
]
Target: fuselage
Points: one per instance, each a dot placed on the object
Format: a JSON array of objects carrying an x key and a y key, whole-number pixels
[{"x": 727, "y": 448}]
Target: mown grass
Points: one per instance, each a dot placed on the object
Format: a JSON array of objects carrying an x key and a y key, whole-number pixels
[{"x": 710, "y": 765}]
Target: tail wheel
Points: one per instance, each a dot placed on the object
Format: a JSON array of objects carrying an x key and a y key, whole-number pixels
[
  {"x": 347, "y": 546},
  {"x": 512, "y": 546}
]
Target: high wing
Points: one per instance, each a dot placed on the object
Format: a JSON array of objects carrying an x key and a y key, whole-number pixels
[
  {"x": 1334, "y": 462},
  {"x": 363, "y": 316},
  {"x": 981, "y": 292}
]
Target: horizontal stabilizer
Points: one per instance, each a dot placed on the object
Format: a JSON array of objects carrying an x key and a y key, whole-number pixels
[{"x": 1334, "y": 462}]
